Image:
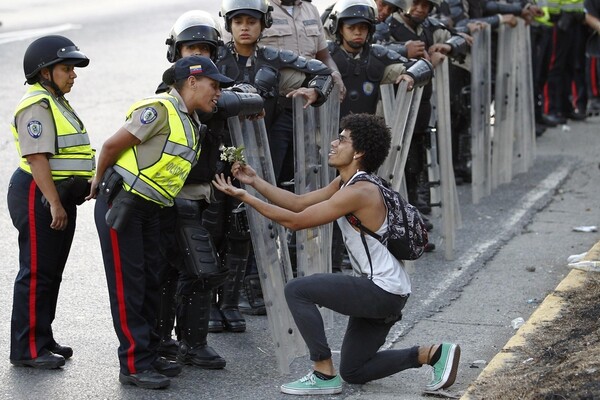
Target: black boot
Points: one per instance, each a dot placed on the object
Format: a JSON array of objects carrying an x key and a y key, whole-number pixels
[
  {"x": 236, "y": 259},
  {"x": 215, "y": 323},
  {"x": 251, "y": 298},
  {"x": 166, "y": 319},
  {"x": 462, "y": 169},
  {"x": 193, "y": 314}
]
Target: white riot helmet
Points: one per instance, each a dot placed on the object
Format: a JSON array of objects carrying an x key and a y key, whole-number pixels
[
  {"x": 195, "y": 26},
  {"x": 353, "y": 12},
  {"x": 259, "y": 9}
]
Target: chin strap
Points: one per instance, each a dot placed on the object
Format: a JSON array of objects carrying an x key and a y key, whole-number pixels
[{"x": 50, "y": 83}]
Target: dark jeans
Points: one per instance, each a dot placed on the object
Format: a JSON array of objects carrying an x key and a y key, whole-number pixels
[{"x": 372, "y": 312}]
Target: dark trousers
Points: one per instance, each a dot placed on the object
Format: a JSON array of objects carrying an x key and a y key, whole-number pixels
[
  {"x": 566, "y": 73},
  {"x": 372, "y": 312},
  {"x": 281, "y": 144},
  {"x": 132, "y": 265},
  {"x": 43, "y": 254}
]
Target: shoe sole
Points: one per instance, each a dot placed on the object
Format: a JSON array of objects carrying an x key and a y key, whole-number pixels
[
  {"x": 32, "y": 364},
  {"x": 128, "y": 380},
  {"x": 203, "y": 365},
  {"x": 447, "y": 381},
  {"x": 287, "y": 390}
]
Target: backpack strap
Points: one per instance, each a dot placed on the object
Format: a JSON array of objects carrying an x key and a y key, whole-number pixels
[{"x": 354, "y": 221}]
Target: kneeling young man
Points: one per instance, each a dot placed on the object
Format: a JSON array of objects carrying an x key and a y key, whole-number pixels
[{"x": 374, "y": 297}]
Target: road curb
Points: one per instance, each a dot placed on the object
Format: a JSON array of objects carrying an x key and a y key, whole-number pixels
[{"x": 548, "y": 310}]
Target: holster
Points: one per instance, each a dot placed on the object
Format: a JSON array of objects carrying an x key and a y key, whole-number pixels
[{"x": 110, "y": 185}]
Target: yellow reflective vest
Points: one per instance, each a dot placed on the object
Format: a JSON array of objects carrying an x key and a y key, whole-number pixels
[
  {"x": 162, "y": 180},
  {"x": 73, "y": 156}
]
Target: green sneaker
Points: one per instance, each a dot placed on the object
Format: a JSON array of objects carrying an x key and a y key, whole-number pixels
[
  {"x": 311, "y": 384},
  {"x": 444, "y": 371}
]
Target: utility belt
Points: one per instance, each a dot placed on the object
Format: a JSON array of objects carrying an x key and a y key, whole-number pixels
[
  {"x": 72, "y": 190},
  {"x": 122, "y": 202}
]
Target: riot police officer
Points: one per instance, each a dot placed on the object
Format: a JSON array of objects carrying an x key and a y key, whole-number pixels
[
  {"x": 277, "y": 75},
  {"x": 55, "y": 165},
  {"x": 196, "y": 32}
]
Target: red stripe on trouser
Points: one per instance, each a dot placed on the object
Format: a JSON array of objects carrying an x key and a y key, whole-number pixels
[
  {"x": 594, "y": 76},
  {"x": 121, "y": 301},
  {"x": 574, "y": 94},
  {"x": 33, "y": 272}
]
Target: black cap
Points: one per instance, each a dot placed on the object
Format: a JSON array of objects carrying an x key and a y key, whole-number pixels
[{"x": 200, "y": 66}]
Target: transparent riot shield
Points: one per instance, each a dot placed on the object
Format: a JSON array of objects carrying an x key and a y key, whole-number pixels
[
  {"x": 308, "y": 176},
  {"x": 504, "y": 104},
  {"x": 270, "y": 245},
  {"x": 451, "y": 218},
  {"x": 524, "y": 144},
  {"x": 396, "y": 106},
  {"x": 481, "y": 143},
  {"x": 312, "y": 138}
]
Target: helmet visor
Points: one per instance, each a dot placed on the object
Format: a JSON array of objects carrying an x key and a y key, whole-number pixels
[{"x": 72, "y": 56}]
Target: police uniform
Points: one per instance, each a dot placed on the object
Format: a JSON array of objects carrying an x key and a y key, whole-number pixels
[
  {"x": 43, "y": 124},
  {"x": 296, "y": 27},
  {"x": 153, "y": 172},
  {"x": 363, "y": 73},
  {"x": 279, "y": 117}
]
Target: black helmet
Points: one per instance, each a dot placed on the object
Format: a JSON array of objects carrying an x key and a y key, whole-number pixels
[
  {"x": 195, "y": 26},
  {"x": 401, "y": 4},
  {"x": 260, "y": 9},
  {"x": 353, "y": 12},
  {"x": 50, "y": 50}
]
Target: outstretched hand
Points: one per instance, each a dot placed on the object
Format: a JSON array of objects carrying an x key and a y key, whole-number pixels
[
  {"x": 243, "y": 173},
  {"x": 226, "y": 186}
]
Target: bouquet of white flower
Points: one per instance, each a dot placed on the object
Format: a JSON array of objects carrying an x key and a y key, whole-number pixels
[{"x": 233, "y": 154}]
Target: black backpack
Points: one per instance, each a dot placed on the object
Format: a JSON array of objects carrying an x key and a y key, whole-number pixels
[{"x": 406, "y": 236}]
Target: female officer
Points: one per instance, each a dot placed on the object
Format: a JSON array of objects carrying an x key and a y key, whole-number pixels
[
  {"x": 56, "y": 163},
  {"x": 151, "y": 156}
]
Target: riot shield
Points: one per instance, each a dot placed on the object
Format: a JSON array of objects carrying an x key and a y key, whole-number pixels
[
  {"x": 396, "y": 106},
  {"x": 270, "y": 245},
  {"x": 311, "y": 148},
  {"x": 308, "y": 176},
  {"x": 481, "y": 144},
  {"x": 450, "y": 210},
  {"x": 504, "y": 104},
  {"x": 524, "y": 144}
]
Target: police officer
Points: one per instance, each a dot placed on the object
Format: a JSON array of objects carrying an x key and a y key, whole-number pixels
[
  {"x": 277, "y": 75},
  {"x": 143, "y": 167},
  {"x": 416, "y": 24},
  {"x": 56, "y": 163},
  {"x": 365, "y": 66},
  {"x": 196, "y": 32}
]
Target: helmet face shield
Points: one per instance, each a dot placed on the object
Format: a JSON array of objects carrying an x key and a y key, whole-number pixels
[
  {"x": 229, "y": 8},
  {"x": 193, "y": 26},
  {"x": 353, "y": 11}
]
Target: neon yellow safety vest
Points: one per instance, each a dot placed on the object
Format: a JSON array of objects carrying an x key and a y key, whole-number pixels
[
  {"x": 162, "y": 180},
  {"x": 73, "y": 156}
]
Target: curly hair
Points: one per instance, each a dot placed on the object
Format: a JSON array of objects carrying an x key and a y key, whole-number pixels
[{"x": 370, "y": 135}]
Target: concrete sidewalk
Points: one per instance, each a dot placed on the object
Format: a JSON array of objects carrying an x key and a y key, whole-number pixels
[{"x": 545, "y": 314}]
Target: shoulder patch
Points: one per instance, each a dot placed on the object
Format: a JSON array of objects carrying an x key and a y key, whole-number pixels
[
  {"x": 34, "y": 128},
  {"x": 148, "y": 116}
]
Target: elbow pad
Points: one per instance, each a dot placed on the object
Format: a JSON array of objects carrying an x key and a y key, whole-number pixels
[
  {"x": 421, "y": 72},
  {"x": 323, "y": 85},
  {"x": 459, "y": 47}
]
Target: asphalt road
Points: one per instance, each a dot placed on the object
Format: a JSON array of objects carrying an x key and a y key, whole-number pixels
[{"x": 523, "y": 226}]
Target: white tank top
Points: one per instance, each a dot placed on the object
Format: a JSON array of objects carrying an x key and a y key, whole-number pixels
[{"x": 388, "y": 273}]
